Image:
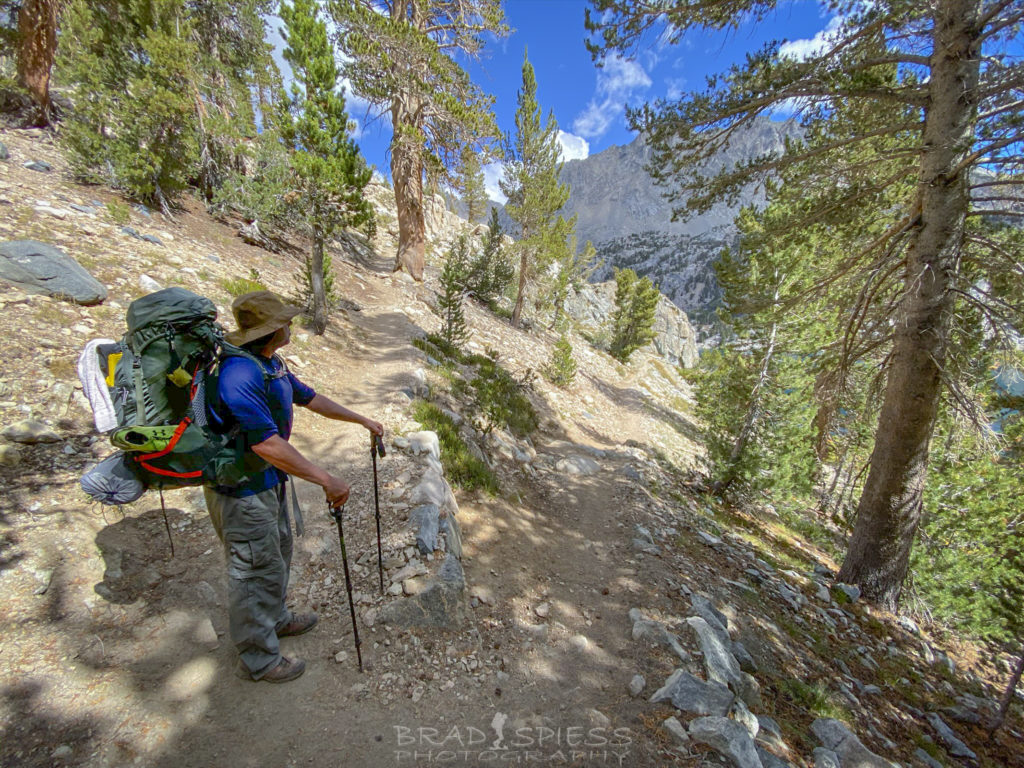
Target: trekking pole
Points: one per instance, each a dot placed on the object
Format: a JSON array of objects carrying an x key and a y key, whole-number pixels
[
  {"x": 377, "y": 447},
  {"x": 336, "y": 513}
]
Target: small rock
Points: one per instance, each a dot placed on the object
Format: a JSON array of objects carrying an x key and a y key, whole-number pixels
[
  {"x": 825, "y": 758},
  {"x": 849, "y": 591},
  {"x": 728, "y": 738},
  {"x": 676, "y": 729},
  {"x": 148, "y": 284},
  {"x": 425, "y": 442},
  {"x": 646, "y": 547},
  {"x": 4, "y": 152},
  {"x": 742, "y": 715},
  {"x": 743, "y": 657},
  {"x": 578, "y": 465},
  {"x": 694, "y": 696},
  {"x": 637, "y": 685},
  {"x": 835, "y": 736},
  {"x": 63, "y": 750},
  {"x": 10, "y": 455},
  {"x": 341, "y": 657},
  {"x": 30, "y": 432},
  {"x": 927, "y": 759},
  {"x": 38, "y": 165},
  {"x": 482, "y": 593},
  {"x": 948, "y": 737},
  {"x": 213, "y": 257},
  {"x": 414, "y": 586},
  {"x": 598, "y": 719},
  {"x": 205, "y": 635},
  {"x": 543, "y": 610},
  {"x": 57, "y": 213},
  {"x": 707, "y": 538},
  {"x": 395, "y": 589}
]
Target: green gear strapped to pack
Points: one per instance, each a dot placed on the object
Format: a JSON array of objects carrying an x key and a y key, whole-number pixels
[{"x": 165, "y": 371}]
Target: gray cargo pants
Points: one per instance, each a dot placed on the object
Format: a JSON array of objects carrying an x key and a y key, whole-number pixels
[{"x": 257, "y": 539}]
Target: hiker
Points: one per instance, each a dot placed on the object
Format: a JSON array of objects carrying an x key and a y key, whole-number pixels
[{"x": 251, "y": 518}]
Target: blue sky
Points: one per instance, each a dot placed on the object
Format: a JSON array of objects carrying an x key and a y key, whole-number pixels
[{"x": 588, "y": 103}]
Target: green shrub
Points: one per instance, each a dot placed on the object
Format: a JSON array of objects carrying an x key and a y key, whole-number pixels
[
  {"x": 561, "y": 369},
  {"x": 239, "y": 285},
  {"x": 463, "y": 469},
  {"x": 499, "y": 398},
  {"x": 119, "y": 212}
]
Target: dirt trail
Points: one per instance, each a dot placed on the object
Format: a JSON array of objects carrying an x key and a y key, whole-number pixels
[
  {"x": 557, "y": 546},
  {"x": 115, "y": 663}
]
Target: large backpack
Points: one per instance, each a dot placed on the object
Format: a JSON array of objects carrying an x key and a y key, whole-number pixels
[{"x": 162, "y": 377}]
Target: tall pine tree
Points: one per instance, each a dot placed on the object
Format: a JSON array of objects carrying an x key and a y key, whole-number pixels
[
  {"x": 636, "y": 300},
  {"x": 534, "y": 192},
  {"x": 400, "y": 55},
  {"x": 933, "y": 80},
  {"x": 330, "y": 174},
  {"x": 469, "y": 184}
]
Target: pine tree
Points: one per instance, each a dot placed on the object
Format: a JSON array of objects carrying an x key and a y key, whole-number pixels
[
  {"x": 164, "y": 91},
  {"x": 469, "y": 184},
  {"x": 932, "y": 82},
  {"x": 534, "y": 192},
  {"x": 400, "y": 57},
  {"x": 330, "y": 174},
  {"x": 490, "y": 272},
  {"x": 133, "y": 125},
  {"x": 636, "y": 301},
  {"x": 453, "y": 275},
  {"x": 561, "y": 368},
  {"x": 573, "y": 270}
]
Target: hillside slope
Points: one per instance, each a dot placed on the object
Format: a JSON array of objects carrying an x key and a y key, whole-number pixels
[{"x": 586, "y": 569}]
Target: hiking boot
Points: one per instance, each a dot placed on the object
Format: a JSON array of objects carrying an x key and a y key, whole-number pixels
[
  {"x": 286, "y": 670},
  {"x": 300, "y": 623}
]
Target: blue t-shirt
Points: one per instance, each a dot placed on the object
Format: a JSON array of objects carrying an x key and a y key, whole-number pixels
[{"x": 261, "y": 408}]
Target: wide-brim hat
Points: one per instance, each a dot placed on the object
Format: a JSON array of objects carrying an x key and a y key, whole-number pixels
[{"x": 258, "y": 314}]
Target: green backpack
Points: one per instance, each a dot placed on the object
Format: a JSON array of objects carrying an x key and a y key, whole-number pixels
[{"x": 164, "y": 377}]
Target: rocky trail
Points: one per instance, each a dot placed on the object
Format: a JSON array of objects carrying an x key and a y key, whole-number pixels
[{"x": 597, "y": 610}]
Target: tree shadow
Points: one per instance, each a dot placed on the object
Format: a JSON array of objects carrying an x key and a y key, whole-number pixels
[{"x": 34, "y": 734}]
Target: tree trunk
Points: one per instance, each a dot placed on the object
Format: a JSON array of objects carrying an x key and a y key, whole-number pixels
[
  {"x": 407, "y": 162},
  {"x": 37, "y": 47},
  {"x": 1004, "y": 704},
  {"x": 753, "y": 415},
  {"x": 316, "y": 278},
  {"x": 890, "y": 505},
  {"x": 407, "y": 175},
  {"x": 517, "y": 312}
]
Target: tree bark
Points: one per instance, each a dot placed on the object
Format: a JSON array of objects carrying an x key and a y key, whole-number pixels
[
  {"x": 890, "y": 506},
  {"x": 316, "y": 278},
  {"x": 407, "y": 175},
  {"x": 1004, "y": 703},
  {"x": 407, "y": 162},
  {"x": 37, "y": 47},
  {"x": 517, "y": 312}
]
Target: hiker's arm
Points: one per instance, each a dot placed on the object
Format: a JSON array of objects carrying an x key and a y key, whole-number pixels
[
  {"x": 327, "y": 407},
  {"x": 279, "y": 452}
]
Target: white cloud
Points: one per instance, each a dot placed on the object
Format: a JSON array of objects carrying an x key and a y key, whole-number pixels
[
  {"x": 617, "y": 81},
  {"x": 620, "y": 77},
  {"x": 573, "y": 147},
  {"x": 675, "y": 87},
  {"x": 806, "y": 48},
  {"x": 492, "y": 175}
]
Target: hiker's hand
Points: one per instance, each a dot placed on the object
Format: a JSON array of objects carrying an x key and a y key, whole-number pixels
[
  {"x": 337, "y": 491},
  {"x": 374, "y": 426}
]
